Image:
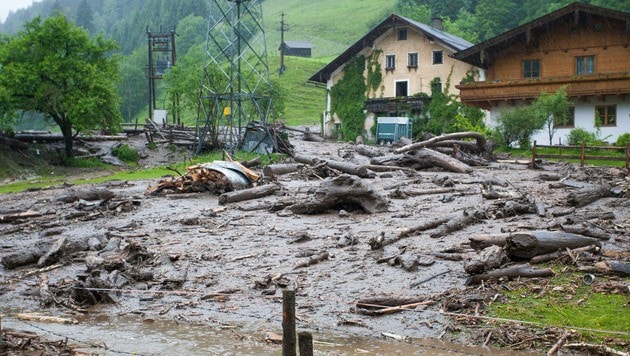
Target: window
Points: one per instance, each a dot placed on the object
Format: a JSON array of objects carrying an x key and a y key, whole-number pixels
[
  {"x": 401, "y": 88},
  {"x": 567, "y": 121},
  {"x": 412, "y": 60},
  {"x": 585, "y": 65},
  {"x": 606, "y": 114},
  {"x": 531, "y": 68},
  {"x": 390, "y": 61},
  {"x": 402, "y": 34},
  {"x": 438, "y": 57}
]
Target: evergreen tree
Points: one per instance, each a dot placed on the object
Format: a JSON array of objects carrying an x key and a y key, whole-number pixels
[{"x": 84, "y": 17}]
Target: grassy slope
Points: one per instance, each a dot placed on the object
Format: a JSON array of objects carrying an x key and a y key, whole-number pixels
[{"x": 330, "y": 25}]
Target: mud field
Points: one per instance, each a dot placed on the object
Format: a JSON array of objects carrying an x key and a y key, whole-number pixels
[{"x": 185, "y": 260}]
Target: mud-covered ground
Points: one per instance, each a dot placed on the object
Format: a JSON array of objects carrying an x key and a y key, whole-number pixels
[{"x": 185, "y": 258}]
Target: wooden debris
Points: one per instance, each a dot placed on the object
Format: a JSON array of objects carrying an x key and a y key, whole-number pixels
[
  {"x": 248, "y": 194},
  {"x": 343, "y": 190},
  {"x": 527, "y": 244},
  {"x": 563, "y": 253},
  {"x": 487, "y": 259},
  {"x": 481, "y": 141},
  {"x": 524, "y": 270},
  {"x": 613, "y": 267},
  {"x": 312, "y": 260},
  {"x": 44, "y": 318},
  {"x": 345, "y": 167},
  {"x": 589, "y": 195},
  {"x": 88, "y": 194},
  {"x": 19, "y": 216}
]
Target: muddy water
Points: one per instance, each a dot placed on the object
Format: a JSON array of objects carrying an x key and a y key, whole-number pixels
[{"x": 130, "y": 335}]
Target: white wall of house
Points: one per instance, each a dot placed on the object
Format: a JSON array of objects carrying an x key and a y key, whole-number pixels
[{"x": 585, "y": 119}]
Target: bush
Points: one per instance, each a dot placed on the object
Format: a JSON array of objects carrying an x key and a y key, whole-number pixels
[
  {"x": 623, "y": 140},
  {"x": 126, "y": 153},
  {"x": 579, "y": 135}
]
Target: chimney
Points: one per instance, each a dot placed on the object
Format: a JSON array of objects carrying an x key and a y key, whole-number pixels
[{"x": 437, "y": 23}]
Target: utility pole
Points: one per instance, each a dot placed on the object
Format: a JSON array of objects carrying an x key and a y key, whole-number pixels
[{"x": 282, "y": 29}]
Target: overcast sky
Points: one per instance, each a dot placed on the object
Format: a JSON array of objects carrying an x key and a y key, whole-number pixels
[{"x": 12, "y": 5}]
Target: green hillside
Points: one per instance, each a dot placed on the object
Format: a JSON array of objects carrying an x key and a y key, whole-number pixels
[{"x": 330, "y": 25}]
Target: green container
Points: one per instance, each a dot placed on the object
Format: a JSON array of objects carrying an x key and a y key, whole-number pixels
[{"x": 391, "y": 129}]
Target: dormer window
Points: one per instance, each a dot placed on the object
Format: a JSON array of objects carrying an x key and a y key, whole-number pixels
[{"x": 402, "y": 34}]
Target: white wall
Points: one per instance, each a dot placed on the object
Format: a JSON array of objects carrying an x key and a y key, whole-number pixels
[{"x": 585, "y": 119}]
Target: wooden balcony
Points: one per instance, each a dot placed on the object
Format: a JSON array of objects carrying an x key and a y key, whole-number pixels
[
  {"x": 409, "y": 103},
  {"x": 487, "y": 94}
]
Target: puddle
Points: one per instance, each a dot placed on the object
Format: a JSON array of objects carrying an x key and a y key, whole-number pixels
[{"x": 129, "y": 335}]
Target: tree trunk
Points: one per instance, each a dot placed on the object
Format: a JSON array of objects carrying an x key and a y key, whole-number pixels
[
  {"x": 481, "y": 141},
  {"x": 66, "y": 131},
  {"x": 344, "y": 190},
  {"x": 527, "y": 244},
  {"x": 434, "y": 158},
  {"x": 247, "y": 194},
  {"x": 511, "y": 272}
]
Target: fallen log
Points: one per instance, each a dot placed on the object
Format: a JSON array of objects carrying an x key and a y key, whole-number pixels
[
  {"x": 345, "y": 167},
  {"x": 393, "y": 309},
  {"x": 248, "y": 194},
  {"x": 457, "y": 223},
  {"x": 381, "y": 301},
  {"x": 19, "y": 216},
  {"x": 481, "y": 141},
  {"x": 563, "y": 253},
  {"x": 368, "y": 151},
  {"x": 589, "y": 195},
  {"x": 527, "y": 244},
  {"x": 589, "y": 231},
  {"x": 488, "y": 259},
  {"x": 379, "y": 242},
  {"x": 86, "y": 194},
  {"x": 433, "y": 158},
  {"x": 341, "y": 191},
  {"x": 312, "y": 260},
  {"x": 613, "y": 267},
  {"x": 280, "y": 169},
  {"x": 480, "y": 242},
  {"x": 524, "y": 270},
  {"x": 45, "y": 318}
]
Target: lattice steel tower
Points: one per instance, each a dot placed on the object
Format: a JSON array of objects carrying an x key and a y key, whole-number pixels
[{"x": 235, "y": 85}]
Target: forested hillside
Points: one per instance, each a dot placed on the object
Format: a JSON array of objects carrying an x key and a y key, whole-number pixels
[{"x": 330, "y": 25}]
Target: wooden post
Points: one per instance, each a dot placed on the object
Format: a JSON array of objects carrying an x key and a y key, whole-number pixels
[
  {"x": 534, "y": 155},
  {"x": 628, "y": 156},
  {"x": 306, "y": 343},
  {"x": 288, "y": 323},
  {"x": 583, "y": 154}
]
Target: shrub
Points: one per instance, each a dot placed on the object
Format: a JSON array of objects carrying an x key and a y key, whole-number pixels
[
  {"x": 579, "y": 135},
  {"x": 126, "y": 153},
  {"x": 623, "y": 140}
]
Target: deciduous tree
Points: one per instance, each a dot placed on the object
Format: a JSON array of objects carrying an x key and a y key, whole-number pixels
[{"x": 54, "y": 67}]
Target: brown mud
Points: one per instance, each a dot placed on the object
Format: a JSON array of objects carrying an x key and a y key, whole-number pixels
[{"x": 185, "y": 260}]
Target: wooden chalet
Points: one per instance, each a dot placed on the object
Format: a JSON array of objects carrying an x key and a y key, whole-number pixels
[
  {"x": 297, "y": 48},
  {"x": 582, "y": 46},
  {"x": 411, "y": 55}
]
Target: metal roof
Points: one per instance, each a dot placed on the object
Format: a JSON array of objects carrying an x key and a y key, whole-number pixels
[
  {"x": 446, "y": 39},
  {"x": 476, "y": 55},
  {"x": 298, "y": 44}
]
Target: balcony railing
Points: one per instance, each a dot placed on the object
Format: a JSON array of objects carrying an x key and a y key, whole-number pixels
[
  {"x": 408, "y": 103},
  {"x": 577, "y": 86}
]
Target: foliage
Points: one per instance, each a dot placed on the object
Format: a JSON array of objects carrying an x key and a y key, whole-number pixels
[
  {"x": 516, "y": 126},
  {"x": 55, "y": 68},
  {"x": 132, "y": 85},
  {"x": 446, "y": 114},
  {"x": 578, "y": 135},
  {"x": 374, "y": 73},
  {"x": 348, "y": 97},
  {"x": 413, "y": 10},
  {"x": 126, "y": 154},
  {"x": 84, "y": 17},
  {"x": 623, "y": 140},
  {"x": 553, "y": 108}
]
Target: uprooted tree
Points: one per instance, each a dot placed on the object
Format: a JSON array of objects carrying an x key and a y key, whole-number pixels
[{"x": 55, "y": 68}]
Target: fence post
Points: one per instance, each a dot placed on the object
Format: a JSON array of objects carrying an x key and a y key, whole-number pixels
[
  {"x": 534, "y": 155},
  {"x": 628, "y": 156},
  {"x": 305, "y": 341},
  {"x": 288, "y": 323},
  {"x": 583, "y": 154}
]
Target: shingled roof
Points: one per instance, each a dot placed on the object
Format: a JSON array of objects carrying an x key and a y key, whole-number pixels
[
  {"x": 449, "y": 41},
  {"x": 477, "y": 55}
]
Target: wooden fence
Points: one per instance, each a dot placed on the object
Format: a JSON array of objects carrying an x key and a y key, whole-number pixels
[{"x": 583, "y": 157}]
